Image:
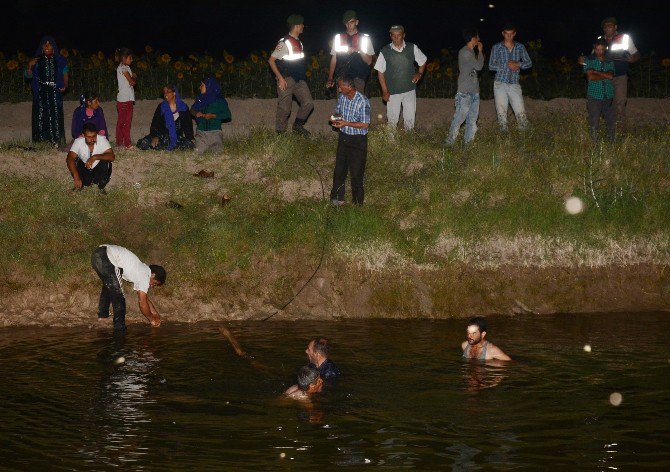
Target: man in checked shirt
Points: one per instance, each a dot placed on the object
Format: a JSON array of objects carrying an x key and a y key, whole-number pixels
[
  {"x": 508, "y": 57},
  {"x": 352, "y": 119}
]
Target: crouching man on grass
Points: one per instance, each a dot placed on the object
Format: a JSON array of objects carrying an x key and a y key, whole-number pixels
[
  {"x": 116, "y": 263},
  {"x": 89, "y": 160}
]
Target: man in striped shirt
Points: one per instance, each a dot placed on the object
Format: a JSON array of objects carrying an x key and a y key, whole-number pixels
[
  {"x": 508, "y": 57},
  {"x": 352, "y": 119}
]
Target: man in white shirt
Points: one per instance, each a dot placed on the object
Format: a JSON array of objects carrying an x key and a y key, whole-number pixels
[
  {"x": 90, "y": 159},
  {"x": 115, "y": 263},
  {"x": 398, "y": 77}
]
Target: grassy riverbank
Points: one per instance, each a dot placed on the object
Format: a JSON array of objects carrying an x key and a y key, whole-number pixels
[{"x": 495, "y": 208}]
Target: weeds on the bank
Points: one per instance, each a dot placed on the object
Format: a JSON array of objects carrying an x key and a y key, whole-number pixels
[{"x": 499, "y": 201}]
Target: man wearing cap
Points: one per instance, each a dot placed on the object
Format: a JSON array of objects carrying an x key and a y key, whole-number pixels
[
  {"x": 398, "y": 77},
  {"x": 351, "y": 54},
  {"x": 622, "y": 51},
  {"x": 287, "y": 62}
]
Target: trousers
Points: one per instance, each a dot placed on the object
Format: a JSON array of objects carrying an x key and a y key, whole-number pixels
[{"x": 111, "y": 292}]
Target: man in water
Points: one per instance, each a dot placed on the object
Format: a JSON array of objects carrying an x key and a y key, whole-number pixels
[
  {"x": 113, "y": 263},
  {"x": 317, "y": 352},
  {"x": 477, "y": 347},
  {"x": 309, "y": 383}
]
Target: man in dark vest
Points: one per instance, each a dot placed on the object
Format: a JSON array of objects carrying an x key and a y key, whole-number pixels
[
  {"x": 398, "y": 77},
  {"x": 622, "y": 51},
  {"x": 351, "y": 54},
  {"x": 287, "y": 62}
]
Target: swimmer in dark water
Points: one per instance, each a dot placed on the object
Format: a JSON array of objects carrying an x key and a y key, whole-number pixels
[
  {"x": 309, "y": 383},
  {"x": 317, "y": 352},
  {"x": 477, "y": 347}
]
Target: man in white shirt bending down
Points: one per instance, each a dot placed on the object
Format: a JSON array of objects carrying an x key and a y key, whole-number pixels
[
  {"x": 116, "y": 263},
  {"x": 90, "y": 159}
]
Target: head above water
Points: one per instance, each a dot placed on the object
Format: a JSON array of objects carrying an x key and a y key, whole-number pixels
[
  {"x": 309, "y": 380},
  {"x": 318, "y": 350},
  {"x": 476, "y": 330}
]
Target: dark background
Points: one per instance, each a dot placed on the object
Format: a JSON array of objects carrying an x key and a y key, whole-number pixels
[{"x": 180, "y": 27}]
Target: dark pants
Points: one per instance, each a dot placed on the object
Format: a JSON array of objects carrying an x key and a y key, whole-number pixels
[
  {"x": 352, "y": 153},
  {"x": 99, "y": 175},
  {"x": 598, "y": 108},
  {"x": 111, "y": 292},
  {"x": 144, "y": 144}
]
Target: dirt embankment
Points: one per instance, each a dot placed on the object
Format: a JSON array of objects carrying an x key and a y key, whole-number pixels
[{"x": 250, "y": 113}]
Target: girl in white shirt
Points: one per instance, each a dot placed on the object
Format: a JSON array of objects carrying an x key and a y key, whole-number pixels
[{"x": 125, "y": 99}]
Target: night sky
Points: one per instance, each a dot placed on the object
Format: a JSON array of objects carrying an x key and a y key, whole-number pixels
[{"x": 179, "y": 27}]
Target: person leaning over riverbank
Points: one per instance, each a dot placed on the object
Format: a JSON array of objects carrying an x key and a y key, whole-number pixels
[
  {"x": 171, "y": 127},
  {"x": 600, "y": 91},
  {"x": 49, "y": 74},
  {"x": 287, "y": 63},
  {"x": 90, "y": 158},
  {"x": 398, "y": 77},
  {"x": 477, "y": 347},
  {"x": 210, "y": 109},
  {"x": 352, "y": 119},
  {"x": 508, "y": 57},
  {"x": 351, "y": 54},
  {"x": 622, "y": 51},
  {"x": 467, "y": 94},
  {"x": 114, "y": 263}
]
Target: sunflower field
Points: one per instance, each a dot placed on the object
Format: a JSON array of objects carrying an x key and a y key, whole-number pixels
[{"x": 250, "y": 76}]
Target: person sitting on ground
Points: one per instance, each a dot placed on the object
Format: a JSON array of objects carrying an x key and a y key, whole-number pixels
[
  {"x": 477, "y": 347},
  {"x": 89, "y": 111},
  {"x": 317, "y": 352},
  {"x": 90, "y": 159},
  {"x": 309, "y": 383},
  {"x": 171, "y": 126},
  {"x": 113, "y": 263},
  {"x": 210, "y": 109}
]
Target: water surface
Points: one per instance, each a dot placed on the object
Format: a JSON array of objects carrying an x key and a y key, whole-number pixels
[{"x": 183, "y": 400}]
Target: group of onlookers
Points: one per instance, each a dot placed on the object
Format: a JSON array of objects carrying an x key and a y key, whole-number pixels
[{"x": 400, "y": 66}]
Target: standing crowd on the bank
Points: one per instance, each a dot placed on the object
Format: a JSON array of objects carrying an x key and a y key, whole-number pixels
[{"x": 400, "y": 66}]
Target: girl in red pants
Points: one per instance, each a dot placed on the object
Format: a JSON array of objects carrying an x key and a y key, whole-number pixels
[{"x": 125, "y": 99}]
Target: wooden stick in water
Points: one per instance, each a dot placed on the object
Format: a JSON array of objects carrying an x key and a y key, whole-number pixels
[{"x": 233, "y": 342}]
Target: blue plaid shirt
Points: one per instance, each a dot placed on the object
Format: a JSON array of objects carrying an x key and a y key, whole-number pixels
[
  {"x": 498, "y": 61},
  {"x": 356, "y": 110}
]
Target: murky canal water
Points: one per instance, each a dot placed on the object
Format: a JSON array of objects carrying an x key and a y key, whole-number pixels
[{"x": 183, "y": 400}]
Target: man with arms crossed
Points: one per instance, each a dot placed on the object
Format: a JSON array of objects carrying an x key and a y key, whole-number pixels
[
  {"x": 477, "y": 347},
  {"x": 114, "y": 263}
]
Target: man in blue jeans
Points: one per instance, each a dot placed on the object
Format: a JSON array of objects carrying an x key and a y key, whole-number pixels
[
  {"x": 508, "y": 57},
  {"x": 467, "y": 95}
]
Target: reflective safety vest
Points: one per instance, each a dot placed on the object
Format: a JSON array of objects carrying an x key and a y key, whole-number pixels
[
  {"x": 617, "y": 51},
  {"x": 293, "y": 63},
  {"x": 349, "y": 61}
]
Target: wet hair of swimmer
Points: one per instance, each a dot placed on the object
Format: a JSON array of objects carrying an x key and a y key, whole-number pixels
[
  {"x": 479, "y": 322},
  {"x": 321, "y": 345},
  {"x": 307, "y": 376}
]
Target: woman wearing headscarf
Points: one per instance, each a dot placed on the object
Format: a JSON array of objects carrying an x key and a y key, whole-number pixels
[
  {"x": 171, "y": 126},
  {"x": 88, "y": 111},
  {"x": 48, "y": 72},
  {"x": 209, "y": 110}
]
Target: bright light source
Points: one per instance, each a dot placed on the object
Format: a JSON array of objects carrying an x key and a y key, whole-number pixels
[
  {"x": 587, "y": 348},
  {"x": 491, "y": 5},
  {"x": 481, "y": 19}
]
